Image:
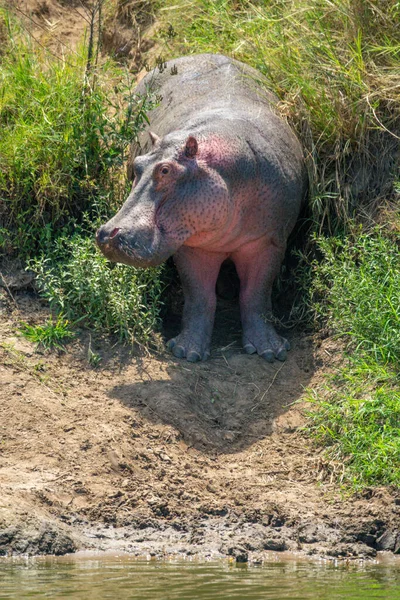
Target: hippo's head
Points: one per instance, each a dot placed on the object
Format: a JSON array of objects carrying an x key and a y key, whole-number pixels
[{"x": 177, "y": 196}]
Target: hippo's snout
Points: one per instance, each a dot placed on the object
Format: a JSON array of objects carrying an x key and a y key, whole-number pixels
[
  {"x": 139, "y": 249},
  {"x": 103, "y": 236},
  {"x": 112, "y": 243}
]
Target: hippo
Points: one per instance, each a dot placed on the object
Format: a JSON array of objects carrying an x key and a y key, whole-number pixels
[{"x": 218, "y": 175}]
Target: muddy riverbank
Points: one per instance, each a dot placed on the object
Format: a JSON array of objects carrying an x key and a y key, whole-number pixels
[
  {"x": 155, "y": 456},
  {"x": 152, "y": 455}
]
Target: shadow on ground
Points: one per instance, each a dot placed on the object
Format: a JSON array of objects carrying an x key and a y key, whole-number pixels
[{"x": 228, "y": 402}]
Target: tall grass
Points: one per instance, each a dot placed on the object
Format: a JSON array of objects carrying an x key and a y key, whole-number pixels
[
  {"x": 334, "y": 66},
  {"x": 355, "y": 291},
  {"x": 356, "y": 417},
  {"x": 64, "y": 137},
  {"x": 66, "y": 126}
]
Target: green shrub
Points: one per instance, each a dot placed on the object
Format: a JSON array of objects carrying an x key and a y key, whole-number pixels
[
  {"x": 64, "y": 138},
  {"x": 81, "y": 283}
]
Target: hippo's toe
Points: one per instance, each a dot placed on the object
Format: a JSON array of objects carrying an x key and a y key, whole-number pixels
[
  {"x": 189, "y": 347},
  {"x": 178, "y": 351},
  {"x": 268, "y": 355},
  {"x": 249, "y": 348},
  {"x": 266, "y": 342},
  {"x": 193, "y": 356}
]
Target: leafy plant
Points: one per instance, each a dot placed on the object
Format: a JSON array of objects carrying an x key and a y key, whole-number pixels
[
  {"x": 82, "y": 284},
  {"x": 66, "y": 128},
  {"x": 53, "y": 334}
]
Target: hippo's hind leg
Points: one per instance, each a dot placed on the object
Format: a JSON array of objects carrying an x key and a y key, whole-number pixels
[
  {"x": 257, "y": 264},
  {"x": 198, "y": 270}
]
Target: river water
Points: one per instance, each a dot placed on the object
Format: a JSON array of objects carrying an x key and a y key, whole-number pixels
[{"x": 122, "y": 577}]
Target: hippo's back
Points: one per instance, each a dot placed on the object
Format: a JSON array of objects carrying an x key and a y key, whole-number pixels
[
  {"x": 197, "y": 86},
  {"x": 210, "y": 94}
]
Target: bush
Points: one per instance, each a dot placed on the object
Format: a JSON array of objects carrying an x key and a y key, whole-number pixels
[
  {"x": 64, "y": 137},
  {"x": 83, "y": 285},
  {"x": 356, "y": 415}
]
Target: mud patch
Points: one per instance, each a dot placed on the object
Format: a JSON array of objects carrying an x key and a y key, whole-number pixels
[{"x": 153, "y": 455}]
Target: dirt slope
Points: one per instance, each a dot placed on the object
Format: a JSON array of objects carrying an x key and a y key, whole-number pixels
[
  {"x": 62, "y": 25},
  {"x": 154, "y": 455}
]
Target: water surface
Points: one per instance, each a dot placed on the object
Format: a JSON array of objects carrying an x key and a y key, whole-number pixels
[{"x": 122, "y": 577}]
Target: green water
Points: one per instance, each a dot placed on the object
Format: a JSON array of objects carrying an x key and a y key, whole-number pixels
[{"x": 121, "y": 578}]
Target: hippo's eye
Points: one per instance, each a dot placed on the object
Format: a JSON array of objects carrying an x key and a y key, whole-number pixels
[{"x": 165, "y": 170}]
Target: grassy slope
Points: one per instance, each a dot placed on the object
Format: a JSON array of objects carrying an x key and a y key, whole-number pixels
[
  {"x": 66, "y": 125},
  {"x": 334, "y": 66},
  {"x": 355, "y": 291}
]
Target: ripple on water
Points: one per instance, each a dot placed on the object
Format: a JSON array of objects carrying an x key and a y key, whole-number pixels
[{"x": 122, "y": 578}]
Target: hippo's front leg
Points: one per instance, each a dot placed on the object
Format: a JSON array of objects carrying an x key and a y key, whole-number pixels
[
  {"x": 198, "y": 270},
  {"x": 257, "y": 265}
]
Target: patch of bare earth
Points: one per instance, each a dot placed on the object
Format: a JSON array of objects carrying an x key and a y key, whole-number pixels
[
  {"x": 61, "y": 26},
  {"x": 157, "y": 456}
]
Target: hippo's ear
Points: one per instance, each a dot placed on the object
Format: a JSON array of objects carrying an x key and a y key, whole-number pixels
[
  {"x": 154, "y": 138},
  {"x": 191, "y": 147}
]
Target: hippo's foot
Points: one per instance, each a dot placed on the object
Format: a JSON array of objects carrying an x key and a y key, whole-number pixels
[
  {"x": 264, "y": 340},
  {"x": 193, "y": 347}
]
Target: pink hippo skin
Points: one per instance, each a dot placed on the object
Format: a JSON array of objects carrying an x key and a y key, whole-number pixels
[{"x": 222, "y": 177}]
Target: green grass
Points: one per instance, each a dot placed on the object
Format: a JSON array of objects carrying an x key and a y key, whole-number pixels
[
  {"x": 53, "y": 334},
  {"x": 356, "y": 415},
  {"x": 356, "y": 290}
]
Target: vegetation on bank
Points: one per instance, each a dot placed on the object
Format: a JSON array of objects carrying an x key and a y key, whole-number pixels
[
  {"x": 355, "y": 293},
  {"x": 79, "y": 281},
  {"x": 334, "y": 68},
  {"x": 66, "y": 128}
]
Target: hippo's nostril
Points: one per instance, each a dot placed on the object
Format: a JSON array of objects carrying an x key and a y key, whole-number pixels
[
  {"x": 114, "y": 233},
  {"x": 101, "y": 236}
]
